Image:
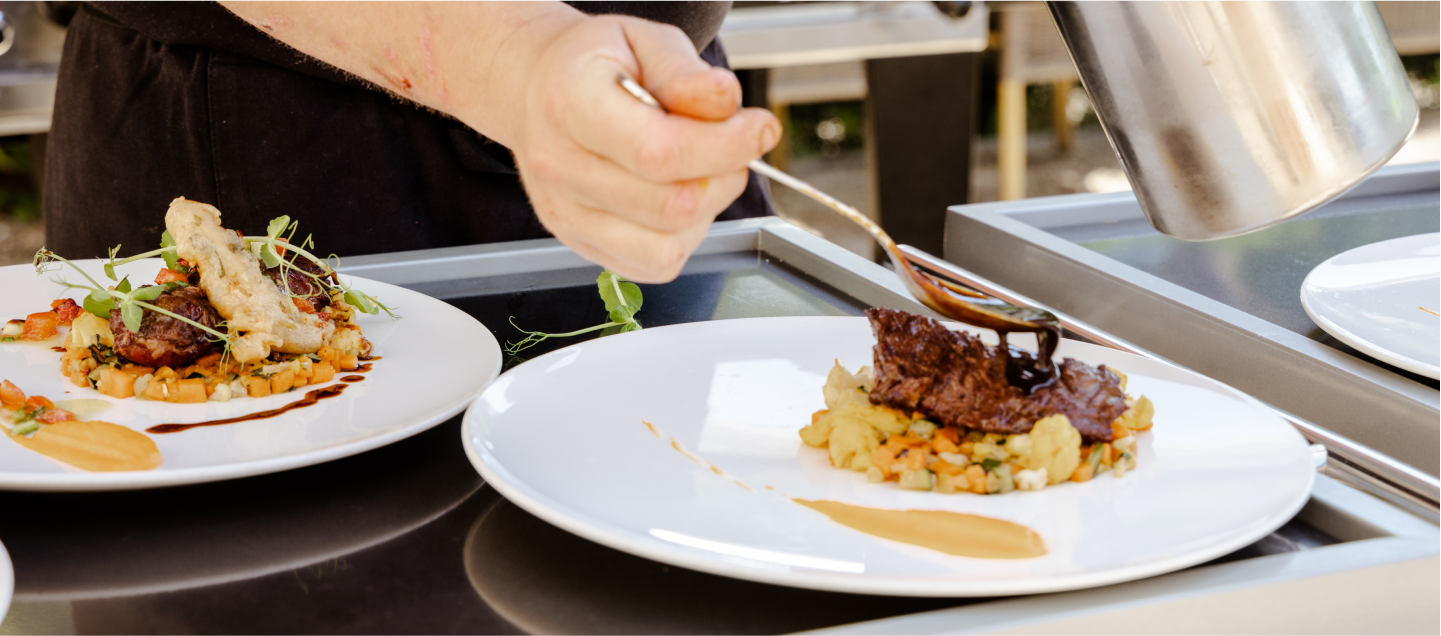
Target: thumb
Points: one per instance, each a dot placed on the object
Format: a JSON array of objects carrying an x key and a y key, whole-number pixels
[{"x": 672, "y": 71}]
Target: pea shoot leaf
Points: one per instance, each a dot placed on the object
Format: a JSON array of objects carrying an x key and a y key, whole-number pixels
[
  {"x": 148, "y": 293},
  {"x": 99, "y": 303},
  {"x": 124, "y": 286},
  {"x": 110, "y": 265},
  {"x": 170, "y": 257},
  {"x": 131, "y": 313}
]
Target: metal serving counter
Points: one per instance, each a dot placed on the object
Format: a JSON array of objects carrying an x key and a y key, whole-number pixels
[{"x": 407, "y": 538}]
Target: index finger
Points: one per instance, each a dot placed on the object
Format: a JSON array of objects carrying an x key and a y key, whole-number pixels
[{"x": 661, "y": 147}]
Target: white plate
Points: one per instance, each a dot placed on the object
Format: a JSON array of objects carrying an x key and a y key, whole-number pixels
[
  {"x": 435, "y": 360},
  {"x": 1370, "y": 298},
  {"x": 7, "y": 582},
  {"x": 562, "y": 436}
]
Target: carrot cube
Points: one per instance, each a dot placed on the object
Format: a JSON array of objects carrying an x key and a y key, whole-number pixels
[
  {"x": 256, "y": 386},
  {"x": 321, "y": 372},
  {"x": 282, "y": 382},
  {"x": 11, "y": 395},
  {"x": 40, "y": 326},
  {"x": 116, "y": 383},
  {"x": 188, "y": 391},
  {"x": 349, "y": 362}
]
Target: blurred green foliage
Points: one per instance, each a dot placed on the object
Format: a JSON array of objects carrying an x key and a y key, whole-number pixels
[
  {"x": 805, "y": 123},
  {"x": 19, "y": 183},
  {"x": 1423, "y": 67}
]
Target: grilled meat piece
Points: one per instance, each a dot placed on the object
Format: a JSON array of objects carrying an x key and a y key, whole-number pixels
[
  {"x": 312, "y": 290},
  {"x": 953, "y": 378},
  {"x": 164, "y": 341}
]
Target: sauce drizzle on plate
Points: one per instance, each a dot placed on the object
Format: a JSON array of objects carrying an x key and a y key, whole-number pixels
[
  {"x": 940, "y": 530},
  {"x": 311, "y": 397}
]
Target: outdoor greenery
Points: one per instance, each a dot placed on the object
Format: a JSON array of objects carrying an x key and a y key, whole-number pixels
[{"x": 19, "y": 183}]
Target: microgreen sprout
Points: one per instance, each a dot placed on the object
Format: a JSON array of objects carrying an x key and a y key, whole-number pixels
[
  {"x": 132, "y": 302},
  {"x": 278, "y": 239},
  {"x": 622, "y": 301}
]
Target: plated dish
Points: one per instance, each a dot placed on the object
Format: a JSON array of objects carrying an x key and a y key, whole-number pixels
[
  {"x": 436, "y": 360},
  {"x": 710, "y": 473},
  {"x": 7, "y": 582},
  {"x": 1383, "y": 299}
]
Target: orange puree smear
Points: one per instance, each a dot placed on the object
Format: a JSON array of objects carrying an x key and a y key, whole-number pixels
[
  {"x": 949, "y": 532},
  {"x": 93, "y": 446}
]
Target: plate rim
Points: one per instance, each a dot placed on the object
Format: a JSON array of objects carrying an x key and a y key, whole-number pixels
[
  {"x": 1338, "y": 332},
  {"x": 148, "y": 479},
  {"x": 606, "y": 534}
]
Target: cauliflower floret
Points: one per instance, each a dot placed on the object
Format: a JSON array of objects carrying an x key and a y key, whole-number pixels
[
  {"x": 86, "y": 329},
  {"x": 1019, "y": 447},
  {"x": 1056, "y": 447},
  {"x": 1138, "y": 416},
  {"x": 345, "y": 341},
  {"x": 852, "y": 438},
  {"x": 1031, "y": 479},
  {"x": 843, "y": 388}
]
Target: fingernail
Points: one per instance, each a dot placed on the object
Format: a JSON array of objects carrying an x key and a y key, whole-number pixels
[{"x": 769, "y": 137}]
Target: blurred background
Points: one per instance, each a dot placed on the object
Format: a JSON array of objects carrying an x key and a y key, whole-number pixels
[{"x": 899, "y": 108}]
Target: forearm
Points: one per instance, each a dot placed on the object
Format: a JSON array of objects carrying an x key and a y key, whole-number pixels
[{"x": 469, "y": 60}]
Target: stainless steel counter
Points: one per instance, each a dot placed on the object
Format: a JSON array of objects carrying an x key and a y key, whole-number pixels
[{"x": 407, "y": 539}]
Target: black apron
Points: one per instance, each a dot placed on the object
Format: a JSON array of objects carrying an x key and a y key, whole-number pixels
[{"x": 161, "y": 100}]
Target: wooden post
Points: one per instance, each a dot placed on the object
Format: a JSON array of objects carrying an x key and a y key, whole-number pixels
[
  {"x": 1011, "y": 140},
  {"x": 1062, "y": 123}
]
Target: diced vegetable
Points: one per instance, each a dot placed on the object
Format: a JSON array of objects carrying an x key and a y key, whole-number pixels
[
  {"x": 11, "y": 395},
  {"x": 190, "y": 392},
  {"x": 40, "y": 326},
  {"x": 167, "y": 275},
  {"x": 282, "y": 382},
  {"x": 116, "y": 383},
  {"x": 256, "y": 386},
  {"x": 66, "y": 310},
  {"x": 321, "y": 372}
]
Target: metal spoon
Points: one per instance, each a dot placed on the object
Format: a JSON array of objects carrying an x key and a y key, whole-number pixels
[{"x": 946, "y": 298}]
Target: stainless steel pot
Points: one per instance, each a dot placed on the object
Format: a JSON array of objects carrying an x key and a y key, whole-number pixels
[{"x": 1229, "y": 117}]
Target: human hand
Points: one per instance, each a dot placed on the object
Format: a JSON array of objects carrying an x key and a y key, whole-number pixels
[{"x": 625, "y": 185}]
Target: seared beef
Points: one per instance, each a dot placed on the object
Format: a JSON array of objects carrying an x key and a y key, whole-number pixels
[
  {"x": 302, "y": 286},
  {"x": 953, "y": 378},
  {"x": 164, "y": 341}
]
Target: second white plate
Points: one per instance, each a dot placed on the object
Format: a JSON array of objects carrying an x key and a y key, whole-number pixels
[
  {"x": 434, "y": 361},
  {"x": 564, "y": 436},
  {"x": 1375, "y": 298}
]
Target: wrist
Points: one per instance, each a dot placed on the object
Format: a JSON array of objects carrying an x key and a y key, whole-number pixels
[{"x": 513, "y": 65}]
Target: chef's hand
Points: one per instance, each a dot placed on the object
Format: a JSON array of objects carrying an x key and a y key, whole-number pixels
[{"x": 624, "y": 184}]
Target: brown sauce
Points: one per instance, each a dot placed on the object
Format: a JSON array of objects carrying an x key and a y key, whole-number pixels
[
  {"x": 93, "y": 446},
  {"x": 310, "y": 398},
  {"x": 60, "y": 349},
  {"x": 352, "y": 378},
  {"x": 949, "y": 532},
  {"x": 360, "y": 369}
]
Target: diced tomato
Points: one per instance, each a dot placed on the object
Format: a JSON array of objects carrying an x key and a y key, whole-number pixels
[
  {"x": 55, "y": 414},
  {"x": 324, "y": 316},
  {"x": 279, "y": 251},
  {"x": 303, "y": 305},
  {"x": 67, "y": 310},
  {"x": 184, "y": 263},
  {"x": 11, "y": 395},
  {"x": 36, "y": 400},
  {"x": 40, "y": 326},
  {"x": 168, "y": 275}
]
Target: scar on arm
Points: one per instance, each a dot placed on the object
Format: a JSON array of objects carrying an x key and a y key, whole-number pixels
[
  {"x": 272, "y": 22},
  {"x": 427, "y": 49}
]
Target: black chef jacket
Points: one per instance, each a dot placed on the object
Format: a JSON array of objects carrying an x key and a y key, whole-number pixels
[{"x": 161, "y": 100}]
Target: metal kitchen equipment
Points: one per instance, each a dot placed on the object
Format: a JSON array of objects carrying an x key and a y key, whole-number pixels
[
  {"x": 1232, "y": 116},
  {"x": 416, "y": 554},
  {"x": 1230, "y": 310}
]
